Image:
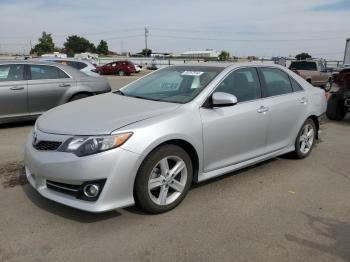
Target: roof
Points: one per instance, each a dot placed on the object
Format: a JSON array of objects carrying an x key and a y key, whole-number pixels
[
  {"x": 229, "y": 64},
  {"x": 60, "y": 59},
  {"x": 75, "y": 73}
]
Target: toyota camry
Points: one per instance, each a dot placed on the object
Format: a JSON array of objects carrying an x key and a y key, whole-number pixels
[{"x": 146, "y": 143}]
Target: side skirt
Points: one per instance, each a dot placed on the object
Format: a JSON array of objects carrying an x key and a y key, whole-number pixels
[{"x": 218, "y": 172}]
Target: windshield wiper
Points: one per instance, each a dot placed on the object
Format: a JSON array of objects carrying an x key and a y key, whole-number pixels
[{"x": 147, "y": 98}]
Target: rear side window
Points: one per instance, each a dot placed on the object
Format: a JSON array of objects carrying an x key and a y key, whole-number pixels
[
  {"x": 295, "y": 85},
  {"x": 276, "y": 81},
  {"x": 11, "y": 72},
  {"x": 62, "y": 74},
  {"x": 243, "y": 83},
  {"x": 303, "y": 65},
  {"x": 39, "y": 72}
]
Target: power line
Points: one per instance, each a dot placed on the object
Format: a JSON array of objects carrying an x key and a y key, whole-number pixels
[
  {"x": 68, "y": 34},
  {"x": 181, "y": 30},
  {"x": 101, "y": 32},
  {"x": 246, "y": 40}
]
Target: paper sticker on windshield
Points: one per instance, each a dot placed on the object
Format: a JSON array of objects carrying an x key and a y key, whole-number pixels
[
  {"x": 169, "y": 86},
  {"x": 192, "y": 73}
]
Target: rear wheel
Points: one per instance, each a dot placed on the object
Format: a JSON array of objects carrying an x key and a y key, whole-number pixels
[
  {"x": 163, "y": 179},
  {"x": 120, "y": 73},
  {"x": 78, "y": 96},
  {"x": 305, "y": 139},
  {"x": 335, "y": 108}
]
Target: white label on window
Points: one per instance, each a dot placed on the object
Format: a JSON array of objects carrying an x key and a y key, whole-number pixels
[
  {"x": 192, "y": 73},
  {"x": 169, "y": 86}
]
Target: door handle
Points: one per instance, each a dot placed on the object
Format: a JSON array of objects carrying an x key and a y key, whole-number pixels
[
  {"x": 17, "y": 88},
  {"x": 64, "y": 85},
  {"x": 262, "y": 109},
  {"x": 304, "y": 100}
]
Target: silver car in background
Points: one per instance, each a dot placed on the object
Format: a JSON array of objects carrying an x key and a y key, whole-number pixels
[
  {"x": 147, "y": 142},
  {"x": 29, "y": 88},
  {"x": 82, "y": 65}
]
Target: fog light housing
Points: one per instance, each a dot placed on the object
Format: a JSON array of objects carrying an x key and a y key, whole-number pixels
[{"x": 91, "y": 190}]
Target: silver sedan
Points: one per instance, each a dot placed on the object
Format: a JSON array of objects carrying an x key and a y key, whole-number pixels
[
  {"x": 148, "y": 142},
  {"x": 28, "y": 89}
]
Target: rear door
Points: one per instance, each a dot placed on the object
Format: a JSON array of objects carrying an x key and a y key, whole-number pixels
[
  {"x": 46, "y": 86},
  {"x": 286, "y": 102},
  {"x": 13, "y": 91}
]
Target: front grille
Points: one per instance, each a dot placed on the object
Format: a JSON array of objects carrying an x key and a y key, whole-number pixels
[
  {"x": 69, "y": 189},
  {"x": 47, "y": 145}
]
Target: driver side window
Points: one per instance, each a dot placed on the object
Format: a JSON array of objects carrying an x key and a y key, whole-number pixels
[{"x": 243, "y": 83}]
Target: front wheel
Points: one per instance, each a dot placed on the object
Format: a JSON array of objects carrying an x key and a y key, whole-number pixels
[
  {"x": 305, "y": 139},
  {"x": 163, "y": 179}
]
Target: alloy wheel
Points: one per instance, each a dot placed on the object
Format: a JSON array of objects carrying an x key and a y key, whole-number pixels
[
  {"x": 306, "y": 138},
  {"x": 167, "y": 180}
]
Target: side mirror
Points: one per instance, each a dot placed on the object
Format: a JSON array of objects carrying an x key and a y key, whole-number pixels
[{"x": 221, "y": 99}]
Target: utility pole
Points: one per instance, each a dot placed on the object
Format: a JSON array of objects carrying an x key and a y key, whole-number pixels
[{"x": 146, "y": 36}]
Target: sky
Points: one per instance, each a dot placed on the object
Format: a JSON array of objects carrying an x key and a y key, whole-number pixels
[{"x": 249, "y": 27}]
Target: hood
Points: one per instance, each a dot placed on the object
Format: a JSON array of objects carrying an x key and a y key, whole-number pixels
[{"x": 100, "y": 115}]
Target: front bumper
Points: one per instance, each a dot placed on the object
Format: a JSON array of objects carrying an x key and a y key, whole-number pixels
[
  {"x": 118, "y": 167},
  {"x": 322, "y": 119}
]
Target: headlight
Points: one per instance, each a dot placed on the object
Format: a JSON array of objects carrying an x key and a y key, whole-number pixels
[{"x": 88, "y": 145}]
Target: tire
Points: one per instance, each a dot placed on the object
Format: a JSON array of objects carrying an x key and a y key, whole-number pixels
[
  {"x": 335, "y": 108},
  {"x": 305, "y": 139},
  {"x": 121, "y": 73},
  {"x": 78, "y": 96},
  {"x": 161, "y": 196}
]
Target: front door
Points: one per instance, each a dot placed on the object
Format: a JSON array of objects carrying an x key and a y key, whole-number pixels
[{"x": 236, "y": 133}]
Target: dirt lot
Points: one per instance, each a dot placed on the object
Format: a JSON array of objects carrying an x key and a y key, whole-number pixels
[{"x": 280, "y": 210}]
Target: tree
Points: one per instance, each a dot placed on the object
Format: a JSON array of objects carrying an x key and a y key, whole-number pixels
[
  {"x": 146, "y": 52},
  {"x": 76, "y": 44},
  {"x": 224, "y": 55},
  {"x": 303, "y": 56},
  {"x": 45, "y": 45},
  {"x": 102, "y": 48}
]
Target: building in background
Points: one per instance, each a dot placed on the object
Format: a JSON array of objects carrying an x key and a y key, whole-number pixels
[{"x": 205, "y": 54}]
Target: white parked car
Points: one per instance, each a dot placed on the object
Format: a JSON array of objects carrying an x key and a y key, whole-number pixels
[{"x": 138, "y": 68}]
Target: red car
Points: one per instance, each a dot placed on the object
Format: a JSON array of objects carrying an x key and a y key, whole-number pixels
[{"x": 120, "y": 68}]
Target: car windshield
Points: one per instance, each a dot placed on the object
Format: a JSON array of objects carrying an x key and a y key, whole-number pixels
[
  {"x": 303, "y": 65},
  {"x": 178, "y": 84}
]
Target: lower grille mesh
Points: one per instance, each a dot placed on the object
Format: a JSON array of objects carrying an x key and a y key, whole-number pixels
[{"x": 64, "y": 188}]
